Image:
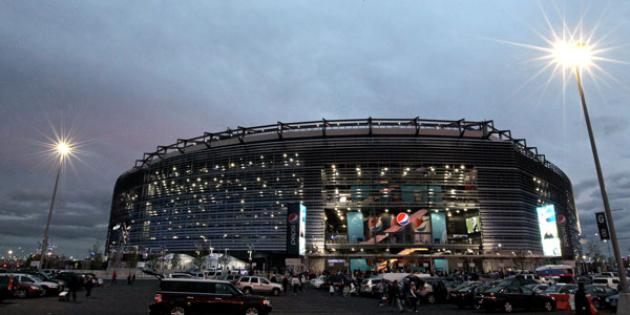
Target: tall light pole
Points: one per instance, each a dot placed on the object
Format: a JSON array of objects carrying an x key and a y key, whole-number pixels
[
  {"x": 62, "y": 149},
  {"x": 575, "y": 55}
]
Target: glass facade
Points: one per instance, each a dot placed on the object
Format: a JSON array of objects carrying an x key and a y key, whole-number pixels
[{"x": 371, "y": 187}]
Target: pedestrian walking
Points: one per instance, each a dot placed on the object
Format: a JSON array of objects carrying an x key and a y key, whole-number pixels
[
  {"x": 285, "y": 283},
  {"x": 73, "y": 286},
  {"x": 381, "y": 292},
  {"x": 89, "y": 284},
  {"x": 582, "y": 306},
  {"x": 295, "y": 283},
  {"x": 114, "y": 275},
  {"x": 331, "y": 290},
  {"x": 412, "y": 297},
  {"x": 133, "y": 278}
]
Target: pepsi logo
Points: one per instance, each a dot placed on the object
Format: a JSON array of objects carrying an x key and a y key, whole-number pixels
[
  {"x": 293, "y": 217},
  {"x": 562, "y": 219},
  {"x": 402, "y": 219}
]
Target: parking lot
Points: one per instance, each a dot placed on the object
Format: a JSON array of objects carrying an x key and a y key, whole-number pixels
[{"x": 124, "y": 299}]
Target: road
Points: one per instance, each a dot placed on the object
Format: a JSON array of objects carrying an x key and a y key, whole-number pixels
[{"x": 134, "y": 300}]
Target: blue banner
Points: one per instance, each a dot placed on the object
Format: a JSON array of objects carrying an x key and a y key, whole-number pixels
[{"x": 355, "y": 227}]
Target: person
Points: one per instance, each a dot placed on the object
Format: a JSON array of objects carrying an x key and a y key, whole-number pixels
[
  {"x": 114, "y": 277},
  {"x": 89, "y": 284},
  {"x": 392, "y": 293},
  {"x": 382, "y": 292},
  {"x": 295, "y": 283},
  {"x": 128, "y": 278},
  {"x": 412, "y": 296},
  {"x": 331, "y": 290},
  {"x": 285, "y": 283},
  {"x": 73, "y": 286},
  {"x": 581, "y": 302},
  {"x": 133, "y": 278}
]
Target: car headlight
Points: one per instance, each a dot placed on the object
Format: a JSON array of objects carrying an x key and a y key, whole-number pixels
[
  {"x": 266, "y": 302},
  {"x": 34, "y": 287}
]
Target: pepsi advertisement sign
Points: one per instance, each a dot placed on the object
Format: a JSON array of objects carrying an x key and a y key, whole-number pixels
[
  {"x": 296, "y": 229},
  {"x": 402, "y": 219}
]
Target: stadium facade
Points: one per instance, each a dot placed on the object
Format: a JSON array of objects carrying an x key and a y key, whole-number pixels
[{"x": 357, "y": 193}]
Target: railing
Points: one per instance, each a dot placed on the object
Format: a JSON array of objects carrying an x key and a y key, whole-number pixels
[{"x": 462, "y": 128}]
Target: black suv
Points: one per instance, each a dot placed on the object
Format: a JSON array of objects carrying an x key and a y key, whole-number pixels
[{"x": 200, "y": 296}]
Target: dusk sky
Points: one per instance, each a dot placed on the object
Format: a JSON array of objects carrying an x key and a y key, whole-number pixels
[{"x": 126, "y": 76}]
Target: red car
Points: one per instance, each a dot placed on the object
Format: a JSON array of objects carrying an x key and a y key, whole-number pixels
[{"x": 27, "y": 289}]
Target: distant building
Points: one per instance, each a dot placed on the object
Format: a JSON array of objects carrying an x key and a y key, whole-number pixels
[{"x": 376, "y": 193}]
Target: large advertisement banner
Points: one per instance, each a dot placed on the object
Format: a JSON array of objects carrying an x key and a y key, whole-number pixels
[
  {"x": 438, "y": 225},
  {"x": 549, "y": 230},
  {"x": 355, "y": 227},
  {"x": 296, "y": 229}
]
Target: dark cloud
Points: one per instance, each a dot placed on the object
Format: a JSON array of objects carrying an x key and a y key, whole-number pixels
[{"x": 130, "y": 76}]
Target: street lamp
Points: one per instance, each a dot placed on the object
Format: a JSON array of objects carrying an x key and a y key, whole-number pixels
[
  {"x": 576, "y": 55},
  {"x": 62, "y": 149}
]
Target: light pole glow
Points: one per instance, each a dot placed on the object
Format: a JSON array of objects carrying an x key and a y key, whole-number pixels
[
  {"x": 573, "y": 54},
  {"x": 63, "y": 149}
]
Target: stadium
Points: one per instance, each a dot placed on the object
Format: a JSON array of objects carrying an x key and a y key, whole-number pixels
[{"x": 351, "y": 194}]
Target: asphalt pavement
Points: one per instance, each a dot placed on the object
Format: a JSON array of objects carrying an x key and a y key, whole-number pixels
[{"x": 134, "y": 300}]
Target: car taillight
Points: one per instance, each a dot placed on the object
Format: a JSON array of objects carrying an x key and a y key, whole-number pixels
[{"x": 157, "y": 298}]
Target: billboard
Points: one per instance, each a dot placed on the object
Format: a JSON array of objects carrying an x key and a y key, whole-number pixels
[
  {"x": 549, "y": 230},
  {"x": 472, "y": 225},
  {"x": 355, "y": 227},
  {"x": 296, "y": 229}
]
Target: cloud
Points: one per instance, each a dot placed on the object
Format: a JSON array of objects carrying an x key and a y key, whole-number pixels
[
  {"x": 612, "y": 124},
  {"x": 131, "y": 76}
]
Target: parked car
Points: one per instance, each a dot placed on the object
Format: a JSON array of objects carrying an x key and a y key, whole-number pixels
[
  {"x": 180, "y": 275},
  {"x": 612, "y": 301},
  {"x": 214, "y": 274},
  {"x": 370, "y": 286},
  {"x": 47, "y": 287},
  {"x": 196, "y": 274},
  {"x": 318, "y": 282},
  {"x": 512, "y": 297},
  {"x": 184, "y": 296},
  {"x": 233, "y": 278},
  {"x": 249, "y": 284},
  {"x": 6, "y": 286},
  {"x": 609, "y": 275},
  {"x": 599, "y": 295},
  {"x": 606, "y": 282},
  {"x": 538, "y": 288},
  {"x": 26, "y": 289},
  {"x": 465, "y": 295}
]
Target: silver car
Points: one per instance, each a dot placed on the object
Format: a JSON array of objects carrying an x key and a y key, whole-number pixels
[{"x": 249, "y": 284}]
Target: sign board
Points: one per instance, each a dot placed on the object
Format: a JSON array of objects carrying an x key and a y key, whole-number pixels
[
  {"x": 296, "y": 229},
  {"x": 548, "y": 226},
  {"x": 602, "y": 225}
]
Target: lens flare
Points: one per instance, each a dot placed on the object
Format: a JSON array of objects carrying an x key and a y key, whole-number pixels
[{"x": 572, "y": 53}]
